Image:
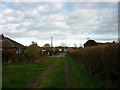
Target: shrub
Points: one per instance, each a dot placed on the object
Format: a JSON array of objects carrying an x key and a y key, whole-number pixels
[
  {"x": 33, "y": 52},
  {"x": 101, "y": 62}
]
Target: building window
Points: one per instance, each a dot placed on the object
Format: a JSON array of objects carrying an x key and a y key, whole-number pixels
[{"x": 18, "y": 51}]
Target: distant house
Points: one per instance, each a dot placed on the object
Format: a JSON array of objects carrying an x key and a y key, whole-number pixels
[
  {"x": 94, "y": 43},
  {"x": 42, "y": 50},
  {"x": 46, "y": 49},
  {"x": 90, "y": 43},
  {"x": 10, "y": 45},
  {"x": 46, "y": 45},
  {"x": 61, "y": 49}
]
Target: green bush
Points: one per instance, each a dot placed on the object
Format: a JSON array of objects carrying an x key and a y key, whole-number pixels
[
  {"x": 33, "y": 52},
  {"x": 101, "y": 62}
]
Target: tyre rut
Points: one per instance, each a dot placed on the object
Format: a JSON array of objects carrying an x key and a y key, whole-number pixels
[
  {"x": 67, "y": 76},
  {"x": 41, "y": 77}
]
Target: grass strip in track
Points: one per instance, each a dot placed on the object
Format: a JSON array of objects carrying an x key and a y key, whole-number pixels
[
  {"x": 56, "y": 78},
  {"x": 46, "y": 63},
  {"x": 79, "y": 78},
  {"x": 19, "y": 74}
]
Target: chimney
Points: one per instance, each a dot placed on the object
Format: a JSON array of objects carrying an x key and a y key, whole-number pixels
[{"x": 2, "y": 36}]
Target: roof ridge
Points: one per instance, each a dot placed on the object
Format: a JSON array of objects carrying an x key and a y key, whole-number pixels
[{"x": 14, "y": 41}]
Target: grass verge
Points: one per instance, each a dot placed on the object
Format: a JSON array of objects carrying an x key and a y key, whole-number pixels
[
  {"x": 79, "y": 78},
  {"x": 19, "y": 74}
]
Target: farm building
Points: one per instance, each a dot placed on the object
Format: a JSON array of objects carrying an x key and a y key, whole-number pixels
[
  {"x": 10, "y": 47},
  {"x": 94, "y": 43},
  {"x": 90, "y": 43}
]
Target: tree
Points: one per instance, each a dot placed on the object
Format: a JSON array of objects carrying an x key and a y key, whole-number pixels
[
  {"x": 33, "y": 51},
  {"x": 34, "y": 43},
  {"x": 47, "y": 47},
  {"x": 75, "y": 46}
]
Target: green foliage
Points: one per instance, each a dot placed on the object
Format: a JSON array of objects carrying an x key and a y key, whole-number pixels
[
  {"x": 33, "y": 52},
  {"x": 101, "y": 62}
]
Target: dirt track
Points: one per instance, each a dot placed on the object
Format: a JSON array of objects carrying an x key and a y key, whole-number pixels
[
  {"x": 61, "y": 55},
  {"x": 43, "y": 75},
  {"x": 67, "y": 77}
]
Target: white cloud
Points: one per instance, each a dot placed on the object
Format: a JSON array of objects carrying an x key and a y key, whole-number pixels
[
  {"x": 63, "y": 23},
  {"x": 7, "y": 11},
  {"x": 43, "y": 9},
  {"x": 55, "y": 17},
  {"x": 60, "y": 0},
  {"x": 2, "y": 21},
  {"x": 10, "y": 30},
  {"x": 12, "y": 19},
  {"x": 1, "y": 15}
]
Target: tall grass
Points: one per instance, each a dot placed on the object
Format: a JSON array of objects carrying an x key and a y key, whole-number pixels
[{"x": 101, "y": 62}]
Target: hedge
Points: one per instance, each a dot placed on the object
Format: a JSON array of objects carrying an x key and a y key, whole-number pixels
[{"x": 101, "y": 62}]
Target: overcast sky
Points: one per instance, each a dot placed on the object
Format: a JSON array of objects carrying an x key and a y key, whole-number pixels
[{"x": 68, "y": 22}]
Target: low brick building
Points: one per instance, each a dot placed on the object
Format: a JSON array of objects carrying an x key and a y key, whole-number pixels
[{"x": 9, "y": 47}]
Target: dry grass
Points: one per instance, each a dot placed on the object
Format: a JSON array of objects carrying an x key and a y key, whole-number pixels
[{"x": 102, "y": 62}]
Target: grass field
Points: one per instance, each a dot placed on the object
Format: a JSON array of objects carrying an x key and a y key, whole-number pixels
[{"x": 19, "y": 74}]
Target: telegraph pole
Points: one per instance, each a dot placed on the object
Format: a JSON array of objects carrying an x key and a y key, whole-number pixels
[{"x": 51, "y": 42}]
